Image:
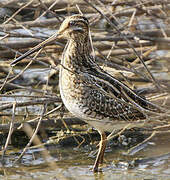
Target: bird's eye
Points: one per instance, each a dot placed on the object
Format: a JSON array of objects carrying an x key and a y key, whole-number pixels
[{"x": 71, "y": 23}]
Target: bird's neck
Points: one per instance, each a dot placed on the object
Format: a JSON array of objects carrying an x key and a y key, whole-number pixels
[
  {"x": 76, "y": 55},
  {"x": 81, "y": 47}
]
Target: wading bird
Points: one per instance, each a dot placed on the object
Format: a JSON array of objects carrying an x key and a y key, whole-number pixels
[{"x": 89, "y": 92}]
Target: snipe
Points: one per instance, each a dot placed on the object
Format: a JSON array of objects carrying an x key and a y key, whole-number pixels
[{"x": 88, "y": 91}]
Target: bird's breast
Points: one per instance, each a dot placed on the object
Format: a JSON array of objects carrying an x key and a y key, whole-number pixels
[{"x": 73, "y": 92}]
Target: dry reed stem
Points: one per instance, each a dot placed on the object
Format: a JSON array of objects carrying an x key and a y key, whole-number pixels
[{"x": 11, "y": 128}]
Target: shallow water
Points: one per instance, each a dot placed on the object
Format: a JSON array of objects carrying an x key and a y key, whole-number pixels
[{"x": 152, "y": 162}]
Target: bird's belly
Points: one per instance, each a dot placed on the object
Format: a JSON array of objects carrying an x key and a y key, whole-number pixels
[
  {"x": 74, "y": 105},
  {"x": 109, "y": 125}
]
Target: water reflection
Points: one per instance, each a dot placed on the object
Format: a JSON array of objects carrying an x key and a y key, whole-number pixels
[{"x": 73, "y": 163}]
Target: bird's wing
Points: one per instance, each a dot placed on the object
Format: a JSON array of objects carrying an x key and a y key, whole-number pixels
[{"x": 103, "y": 81}]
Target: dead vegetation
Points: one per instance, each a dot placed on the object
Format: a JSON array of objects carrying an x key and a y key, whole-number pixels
[{"x": 131, "y": 40}]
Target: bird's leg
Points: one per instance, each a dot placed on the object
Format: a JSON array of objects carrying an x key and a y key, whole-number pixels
[
  {"x": 104, "y": 143},
  {"x": 100, "y": 155}
]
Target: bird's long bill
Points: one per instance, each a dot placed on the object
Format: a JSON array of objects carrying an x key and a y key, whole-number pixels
[{"x": 36, "y": 48}]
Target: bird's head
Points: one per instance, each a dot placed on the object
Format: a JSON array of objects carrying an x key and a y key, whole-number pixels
[{"x": 74, "y": 27}]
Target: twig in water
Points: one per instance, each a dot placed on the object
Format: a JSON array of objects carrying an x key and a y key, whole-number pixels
[
  {"x": 9, "y": 133},
  {"x": 27, "y": 128}
]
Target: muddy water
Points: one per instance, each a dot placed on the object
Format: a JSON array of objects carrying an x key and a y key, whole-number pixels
[{"x": 152, "y": 162}]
